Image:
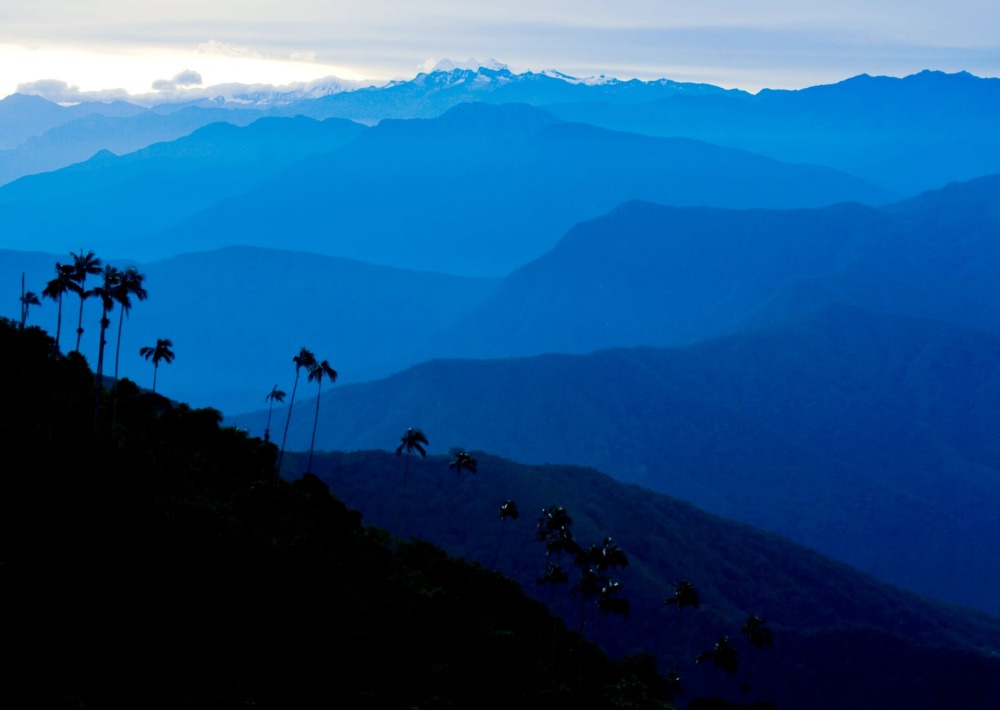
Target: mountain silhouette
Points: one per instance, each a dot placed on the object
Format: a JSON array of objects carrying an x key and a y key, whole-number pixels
[
  {"x": 866, "y": 437},
  {"x": 483, "y": 189}
]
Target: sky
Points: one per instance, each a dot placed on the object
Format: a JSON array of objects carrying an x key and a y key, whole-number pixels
[{"x": 73, "y": 49}]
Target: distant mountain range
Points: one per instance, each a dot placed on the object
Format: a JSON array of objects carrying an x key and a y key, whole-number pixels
[
  {"x": 906, "y": 135},
  {"x": 641, "y": 275},
  {"x": 478, "y": 192},
  {"x": 79, "y": 139},
  {"x": 869, "y": 438},
  {"x": 659, "y": 275},
  {"x": 118, "y": 204}
]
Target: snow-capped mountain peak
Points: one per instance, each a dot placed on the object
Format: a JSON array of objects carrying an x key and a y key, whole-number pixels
[{"x": 448, "y": 65}]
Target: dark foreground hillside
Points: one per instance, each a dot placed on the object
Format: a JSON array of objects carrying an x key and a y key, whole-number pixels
[
  {"x": 829, "y": 621},
  {"x": 157, "y": 561},
  {"x": 167, "y": 566}
]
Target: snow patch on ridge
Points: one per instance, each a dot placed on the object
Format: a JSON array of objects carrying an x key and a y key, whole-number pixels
[{"x": 447, "y": 65}]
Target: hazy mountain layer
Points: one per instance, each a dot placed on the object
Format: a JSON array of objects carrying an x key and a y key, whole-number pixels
[
  {"x": 81, "y": 138},
  {"x": 23, "y": 117},
  {"x": 237, "y": 317},
  {"x": 868, "y": 438},
  {"x": 656, "y": 275},
  {"x": 642, "y": 275},
  {"x": 483, "y": 189},
  {"x": 115, "y": 204},
  {"x": 910, "y": 134},
  {"x": 825, "y": 615}
]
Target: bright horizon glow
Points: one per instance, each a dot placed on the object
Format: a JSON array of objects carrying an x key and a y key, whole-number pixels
[{"x": 120, "y": 48}]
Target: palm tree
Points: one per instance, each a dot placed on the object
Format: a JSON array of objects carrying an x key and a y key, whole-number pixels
[
  {"x": 553, "y": 530},
  {"x": 685, "y": 595},
  {"x": 463, "y": 461},
  {"x": 724, "y": 655},
  {"x": 758, "y": 635},
  {"x": 595, "y": 561},
  {"x": 317, "y": 373},
  {"x": 129, "y": 284},
  {"x": 305, "y": 359},
  {"x": 604, "y": 556},
  {"x": 275, "y": 395},
  {"x": 160, "y": 352},
  {"x": 83, "y": 264},
  {"x": 508, "y": 509},
  {"x": 412, "y": 440},
  {"x": 28, "y": 299},
  {"x": 55, "y": 288},
  {"x": 608, "y": 601},
  {"x": 106, "y": 293},
  {"x": 757, "y": 631}
]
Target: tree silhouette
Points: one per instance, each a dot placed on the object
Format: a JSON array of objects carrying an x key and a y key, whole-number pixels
[
  {"x": 316, "y": 374},
  {"x": 129, "y": 285},
  {"x": 305, "y": 359},
  {"x": 161, "y": 352},
  {"x": 54, "y": 290},
  {"x": 83, "y": 265},
  {"x": 508, "y": 509},
  {"x": 595, "y": 562},
  {"x": 28, "y": 299},
  {"x": 553, "y": 530},
  {"x": 609, "y": 602},
  {"x": 724, "y": 656},
  {"x": 106, "y": 293},
  {"x": 757, "y": 631},
  {"x": 685, "y": 596},
  {"x": 275, "y": 395},
  {"x": 463, "y": 461},
  {"x": 412, "y": 440},
  {"x": 758, "y": 635}
]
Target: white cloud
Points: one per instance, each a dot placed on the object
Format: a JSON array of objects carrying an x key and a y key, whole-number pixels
[
  {"x": 186, "y": 78},
  {"x": 302, "y": 40},
  {"x": 61, "y": 92},
  {"x": 224, "y": 49}
]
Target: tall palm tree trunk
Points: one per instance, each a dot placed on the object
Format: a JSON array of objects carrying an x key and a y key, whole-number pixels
[
  {"x": 267, "y": 427},
  {"x": 24, "y": 306},
  {"x": 156, "y": 369},
  {"x": 288, "y": 420},
  {"x": 59, "y": 323},
  {"x": 312, "y": 442},
  {"x": 118, "y": 343},
  {"x": 100, "y": 376},
  {"x": 79, "y": 325}
]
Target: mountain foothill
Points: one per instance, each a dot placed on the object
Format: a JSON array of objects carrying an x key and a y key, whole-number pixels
[{"x": 753, "y": 337}]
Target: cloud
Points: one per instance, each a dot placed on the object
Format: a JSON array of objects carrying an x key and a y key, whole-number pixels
[
  {"x": 224, "y": 49},
  {"x": 188, "y": 77},
  {"x": 60, "y": 92}
]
